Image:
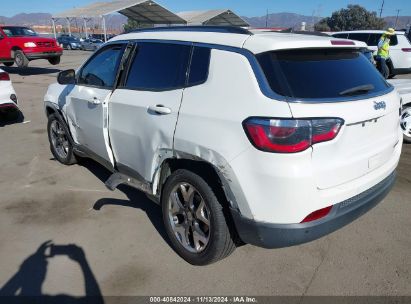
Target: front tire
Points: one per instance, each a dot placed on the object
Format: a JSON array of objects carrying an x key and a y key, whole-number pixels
[
  {"x": 194, "y": 219},
  {"x": 54, "y": 60},
  {"x": 60, "y": 145},
  {"x": 8, "y": 64},
  {"x": 405, "y": 123},
  {"x": 20, "y": 59}
]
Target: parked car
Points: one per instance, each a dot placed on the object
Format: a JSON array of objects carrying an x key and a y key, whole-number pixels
[
  {"x": 9, "y": 109},
  {"x": 91, "y": 44},
  {"x": 400, "y": 50},
  {"x": 270, "y": 139},
  {"x": 20, "y": 45},
  {"x": 403, "y": 87},
  {"x": 69, "y": 42}
]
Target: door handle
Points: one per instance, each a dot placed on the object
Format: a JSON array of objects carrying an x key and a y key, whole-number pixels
[
  {"x": 95, "y": 101},
  {"x": 160, "y": 109}
]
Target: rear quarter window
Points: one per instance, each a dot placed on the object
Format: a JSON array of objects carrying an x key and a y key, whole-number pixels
[
  {"x": 320, "y": 73},
  {"x": 200, "y": 63}
]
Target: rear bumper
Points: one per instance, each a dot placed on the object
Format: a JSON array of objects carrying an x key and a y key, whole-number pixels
[
  {"x": 7, "y": 107},
  {"x": 269, "y": 235}
]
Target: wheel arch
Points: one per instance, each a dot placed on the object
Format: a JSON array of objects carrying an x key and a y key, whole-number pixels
[
  {"x": 50, "y": 108},
  {"x": 213, "y": 177},
  {"x": 14, "y": 49},
  {"x": 209, "y": 172}
]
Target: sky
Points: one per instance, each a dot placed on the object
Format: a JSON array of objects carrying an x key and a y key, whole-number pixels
[{"x": 247, "y": 8}]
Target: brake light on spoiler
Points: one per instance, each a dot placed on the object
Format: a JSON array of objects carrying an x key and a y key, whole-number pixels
[
  {"x": 342, "y": 42},
  {"x": 290, "y": 135}
]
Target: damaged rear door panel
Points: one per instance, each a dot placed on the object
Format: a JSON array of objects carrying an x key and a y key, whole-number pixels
[{"x": 143, "y": 110}]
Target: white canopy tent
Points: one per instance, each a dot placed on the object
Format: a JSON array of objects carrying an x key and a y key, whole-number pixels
[
  {"x": 220, "y": 17},
  {"x": 146, "y": 11}
]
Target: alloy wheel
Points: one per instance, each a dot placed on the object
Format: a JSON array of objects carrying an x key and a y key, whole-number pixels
[
  {"x": 189, "y": 217},
  {"x": 59, "y": 139}
]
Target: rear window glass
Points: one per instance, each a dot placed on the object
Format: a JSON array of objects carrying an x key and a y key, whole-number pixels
[{"x": 324, "y": 73}]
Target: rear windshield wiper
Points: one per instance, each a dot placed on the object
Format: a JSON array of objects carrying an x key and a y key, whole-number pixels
[{"x": 357, "y": 90}]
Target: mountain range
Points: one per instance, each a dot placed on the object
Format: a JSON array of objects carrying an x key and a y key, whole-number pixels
[{"x": 273, "y": 20}]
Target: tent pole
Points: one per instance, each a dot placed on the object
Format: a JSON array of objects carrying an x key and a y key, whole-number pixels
[
  {"x": 104, "y": 29},
  {"x": 69, "y": 26},
  {"x": 54, "y": 28},
  {"x": 85, "y": 27}
]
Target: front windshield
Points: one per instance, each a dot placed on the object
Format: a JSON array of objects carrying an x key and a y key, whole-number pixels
[{"x": 16, "y": 31}]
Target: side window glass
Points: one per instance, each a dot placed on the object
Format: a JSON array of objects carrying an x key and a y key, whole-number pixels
[
  {"x": 159, "y": 67},
  {"x": 101, "y": 70},
  {"x": 200, "y": 63},
  {"x": 343, "y": 36},
  {"x": 360, "y": 37},
  {"x": 373, "y": 40}
]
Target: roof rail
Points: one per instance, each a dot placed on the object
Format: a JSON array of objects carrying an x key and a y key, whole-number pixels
[
  {"x": 196, "y": 28},
  {"x": 310, "y": 33}
]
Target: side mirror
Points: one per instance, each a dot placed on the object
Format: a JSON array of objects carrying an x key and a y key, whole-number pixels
[{"x": 67, "y": 77}]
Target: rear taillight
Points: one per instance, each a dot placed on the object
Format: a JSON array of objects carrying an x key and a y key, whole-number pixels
[
  {"x": 316, "y": 215},
  {"x": 290, "y": 135},
  {"x": 406, "y": 49},
  {"x": 4, "y": 76}
]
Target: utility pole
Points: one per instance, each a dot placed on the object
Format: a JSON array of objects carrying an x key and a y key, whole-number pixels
[
  {"x": 382, "y": 7},
  {"x": 266, "y": 19},
  {"x": 396, "y": 19}
]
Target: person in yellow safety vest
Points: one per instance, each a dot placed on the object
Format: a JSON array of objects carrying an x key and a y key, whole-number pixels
[{"x": 383, "y": 53}]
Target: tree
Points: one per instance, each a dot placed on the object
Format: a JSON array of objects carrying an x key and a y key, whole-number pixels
[
  {"x": 131, "y": 25},
  {"x": 354, "y": 17}
]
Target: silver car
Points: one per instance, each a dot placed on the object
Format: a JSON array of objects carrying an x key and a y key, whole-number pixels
[{"x": 91, "y": 44}]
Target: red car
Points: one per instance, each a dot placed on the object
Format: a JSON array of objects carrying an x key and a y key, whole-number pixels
[{"x": 20, "y": 45}]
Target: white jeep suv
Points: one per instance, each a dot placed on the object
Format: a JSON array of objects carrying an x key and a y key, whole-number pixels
[
  {"x": 400, "y": 47},
  {"x": 270, "y": 139}
]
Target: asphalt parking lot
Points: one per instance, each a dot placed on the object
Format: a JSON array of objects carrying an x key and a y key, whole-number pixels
[{"x": 122, "y": 236}]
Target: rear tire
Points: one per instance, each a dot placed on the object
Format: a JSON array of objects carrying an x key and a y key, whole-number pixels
[
  {"x": 8, "y": 64},
  {"x": 60, "y": 145},
  {"x": 405, "y": 123},
  {"x": 54, "y": 60},
  {"x": 194, "y": 219},
  {"x": 20, "y": 59}
]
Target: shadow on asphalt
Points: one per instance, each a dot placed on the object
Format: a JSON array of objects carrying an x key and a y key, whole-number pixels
[
  {"x": 26, "y": 285},
  {"x": 30, "y": 71},
  {"x": 136, "y": 198}
]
